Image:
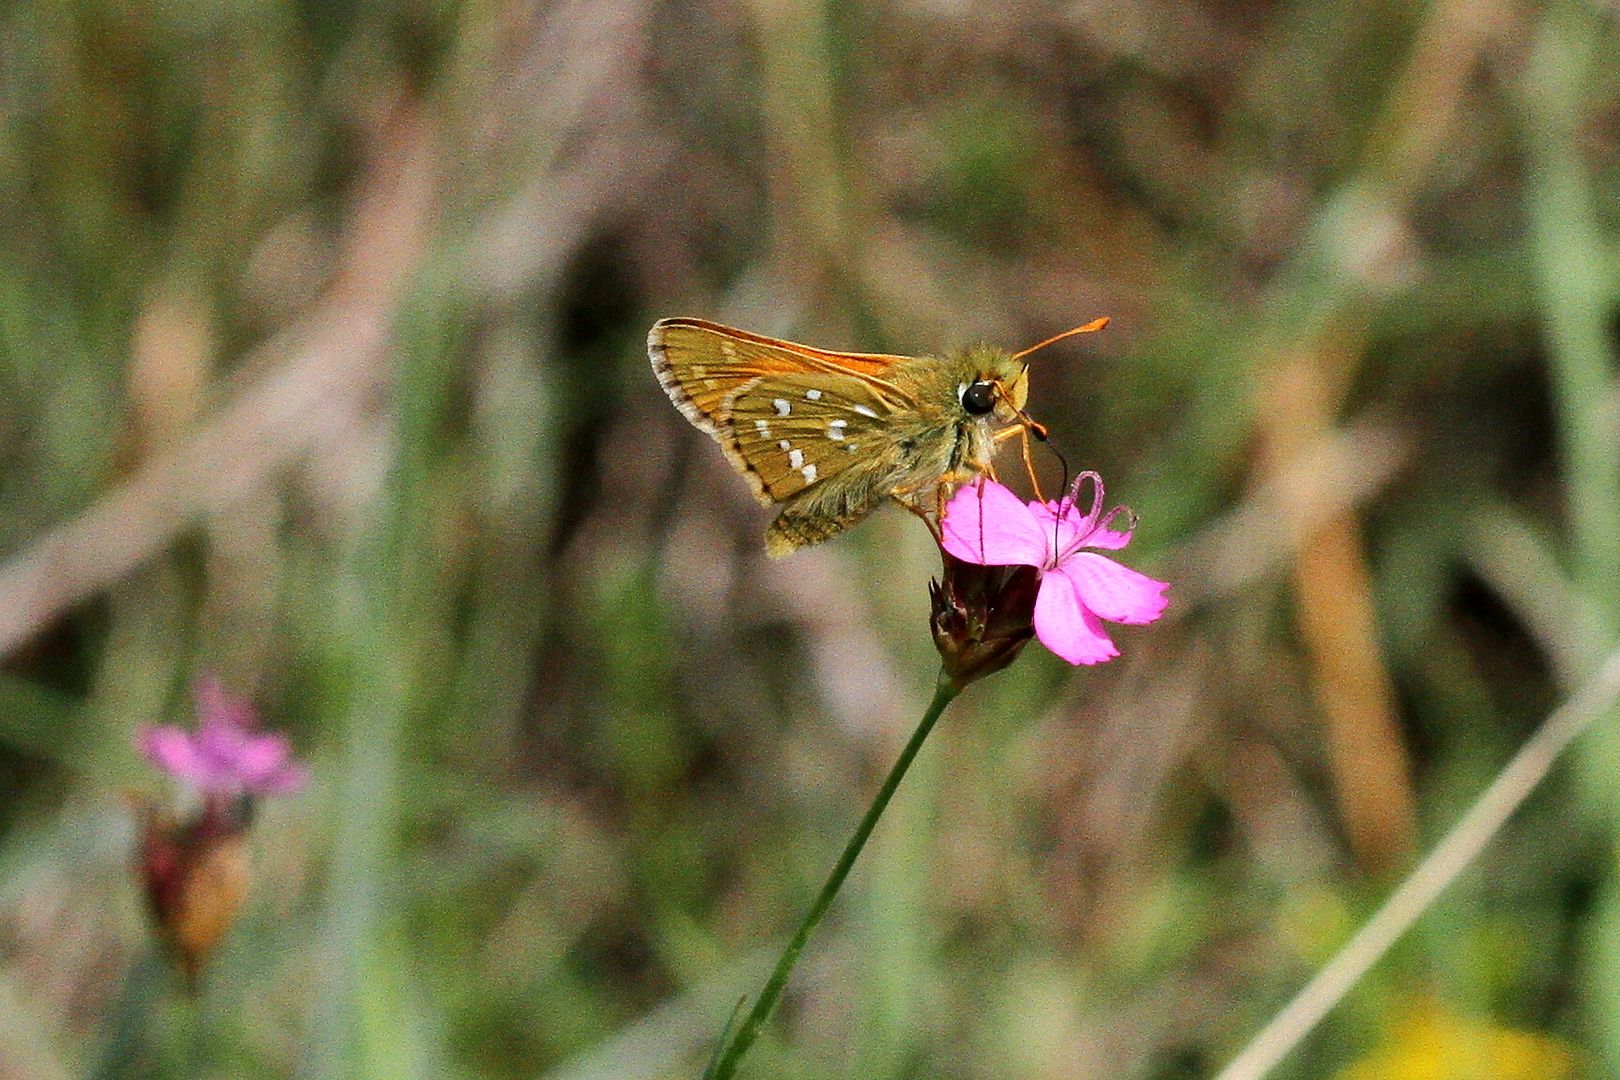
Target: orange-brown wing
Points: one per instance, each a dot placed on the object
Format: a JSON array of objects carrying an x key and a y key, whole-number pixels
[
  {"x": 702, "y": 366},
  {"x": 787, "y": 432},
  {"x": 786, "y": 415}
]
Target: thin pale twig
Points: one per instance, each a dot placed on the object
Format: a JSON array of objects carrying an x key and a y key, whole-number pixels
[{"x": 1433, "y": 875}]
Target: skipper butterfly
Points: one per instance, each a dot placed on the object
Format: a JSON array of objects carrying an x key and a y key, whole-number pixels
[{"x": 829, "y": 435}]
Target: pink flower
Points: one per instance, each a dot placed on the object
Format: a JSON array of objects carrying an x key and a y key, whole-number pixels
[
  {"x": 224, "y": 756},
  {"x": 989, "y": 525}
]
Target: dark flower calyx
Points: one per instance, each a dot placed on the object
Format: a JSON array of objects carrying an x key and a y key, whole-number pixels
[{"x": 982, "y": 616}]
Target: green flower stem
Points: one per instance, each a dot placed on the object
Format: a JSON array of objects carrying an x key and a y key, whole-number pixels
[{"x": 726, "y": 1060}]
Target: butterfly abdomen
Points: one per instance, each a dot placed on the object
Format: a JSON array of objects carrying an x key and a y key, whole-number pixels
[{"x": 822, "y": 512}]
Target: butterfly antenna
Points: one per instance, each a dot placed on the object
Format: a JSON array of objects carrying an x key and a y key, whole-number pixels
[{"x": 1090, "y": 327}]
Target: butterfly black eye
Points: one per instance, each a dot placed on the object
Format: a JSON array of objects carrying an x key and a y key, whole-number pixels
[{"x": 979, "y": 398}]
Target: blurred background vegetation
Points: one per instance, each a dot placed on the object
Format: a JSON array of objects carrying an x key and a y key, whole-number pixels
[{"x": 322, "y": 366}]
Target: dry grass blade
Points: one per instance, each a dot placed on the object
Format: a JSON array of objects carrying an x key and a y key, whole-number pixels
[
  {"x": 1334, "y": 473},
  {"x": 334, "y": 362}
]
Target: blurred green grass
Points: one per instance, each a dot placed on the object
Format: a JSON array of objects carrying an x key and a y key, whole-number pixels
[{"x": 581, "y": 753}]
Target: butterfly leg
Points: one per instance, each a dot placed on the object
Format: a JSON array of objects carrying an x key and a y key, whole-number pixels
[
  {"x": 1029, "y": 462},
  {"x": 1022, "y": 431},
  {"x": 1006, "y": 433},
  {"x": 933, "y": 521},
  {"x": 914, "y": 498},
  {"x": 1002, "y": 436},
  {"x": 908, "y": 498}
]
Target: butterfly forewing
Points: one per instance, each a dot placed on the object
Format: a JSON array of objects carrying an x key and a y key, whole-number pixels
[
  {"x": 701, "y": 364},
  {"x": 787, "y": 415}
]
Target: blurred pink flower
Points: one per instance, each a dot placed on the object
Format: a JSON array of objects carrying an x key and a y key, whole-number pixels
[
  {"x": 989, "y": 525},
  {"x": 224, "y": 755}
]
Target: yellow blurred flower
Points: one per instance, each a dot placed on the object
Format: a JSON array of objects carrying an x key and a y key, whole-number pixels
[{"x": 1431, "y": 1043}]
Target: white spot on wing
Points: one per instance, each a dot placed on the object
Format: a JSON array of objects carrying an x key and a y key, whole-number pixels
[
  {"x": 813, "y": 395},
  {"x": 784, "y": 444},
  {"x": 864, "y": 411},
  {"x": 728, "y": 350},
  {"x": 782, "y": 407},
  {"x": 763, "y": 427},
  {"x": 796, "y": 458},
  {"x": 809, "y": 474},
  {"x": 835, "y": 429}
]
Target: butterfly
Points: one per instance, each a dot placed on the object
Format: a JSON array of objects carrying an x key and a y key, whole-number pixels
[{"x": 830, "y": 435}]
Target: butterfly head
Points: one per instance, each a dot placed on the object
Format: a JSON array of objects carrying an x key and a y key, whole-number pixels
[{"x": 997, "y": 388}]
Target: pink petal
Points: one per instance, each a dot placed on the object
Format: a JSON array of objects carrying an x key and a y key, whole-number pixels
[
  {"x": 175, "y": 752},
  {"x": 1072, "y": 523},
  {"x": 1115, "y": 592},
  {"x": 209, "y": 694},
  {"x": 1107, "y": 539},
  {"x": 224, "y": 754},
  {"x": 1060, "y": 522},
  {"x": 216, "y": 708},
  {"x": 989, "y": 525},
  {"x": 1065, "y": 626},
  {"x": 284, "y": 781},
  {"x": 219, "y": 743},
  {"x": 259, "y": 757}
]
